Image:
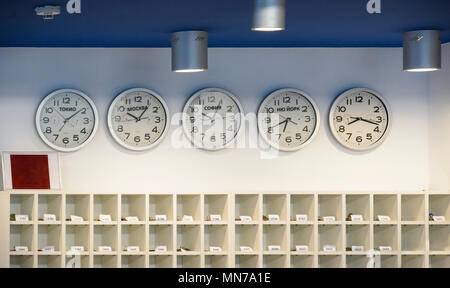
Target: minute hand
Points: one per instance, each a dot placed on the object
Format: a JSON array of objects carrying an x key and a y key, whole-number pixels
[
  {"x": 368, "y": 121},
  {"x": 73, "y": 115}
]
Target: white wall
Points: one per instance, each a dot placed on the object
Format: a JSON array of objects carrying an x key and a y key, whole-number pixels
[
  {"x": 401, "y": 163},
  {"x": 440, "y": 125}
]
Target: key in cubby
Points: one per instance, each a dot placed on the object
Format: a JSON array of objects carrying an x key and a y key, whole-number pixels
[
  {"x": 107, "y": 205},
  {"x": 78, "y": 205},
  {"x": 22, "y": 204},
  {"x": 385, "y": 205},
  {"x": 247, "y": 205},
  {"x": 330, "y": 205},
  {"x": 216, "y": 205},
  {"x": 133, "y": 205},
  {"x": 358, "y": 205},
  {"x": 188, "y": 237},
  {"x": 275, "y": 204},
  {"x": 440, "y": 206},
  {"x": 49, "y": 204},
  {"x": 188, "y": 205}
]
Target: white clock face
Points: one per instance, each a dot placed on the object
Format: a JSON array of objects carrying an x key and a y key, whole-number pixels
[
  {"x": 66, "y": 120},
  {"x": 360, "y": 119},
  {"x": 288, "y": 119},
  {"x": 138, "y": 119},
  {"x": 212, "y": 119}
]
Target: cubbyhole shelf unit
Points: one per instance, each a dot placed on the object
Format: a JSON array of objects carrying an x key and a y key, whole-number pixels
[{"x": 230, "y": 230}]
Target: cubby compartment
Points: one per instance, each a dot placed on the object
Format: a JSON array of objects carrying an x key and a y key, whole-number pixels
[
  {"x": 440, "y": 261},
  {"x": 77, "y": 235},
  {"x": 49, "y": 235},
  {"x": 133, "y": 205},
  {"x": 25, "y": 261},
  {"x": 246, "y": 261},
  {"x": 358, "y": 205},
  {"x": 49, "y": 261},
  {"x": 413, "y": 208},
  {"x": 385, "y": 235},
  {"x": 188, "y": 205},
  {"x": 275, "y": 235},
  {"x": 330, "y": 205},
  {"x": 302, "y": 235},
  {"x": 216, "y": 205},
  {"x": 77, "y": 205},
  {"x": 22, "y": 204},
  {"x": 133, "y": 235},
  {"x": 188, "y": 261},
  {"x": 358, "y": 235},
  {"x": 49, "y": 204},
  {"x": 413, "y": 261},
  {"x": 356, "y": 261},
  {"x": 21, "y": 235},
  {"x": 188, "y": 237},
  {"x": 247, "y": 205},
  {"x": 276, "y": 205},
  {"x": 439, "y": 205},
  {"x": 385, "y": 205},
  {"x": 439, "y": 237},
  {"x": 302, "y": 261},
  {"x": 105, "y": 261},
  {"x": 389, "y": 261},
  {"x": 77, "y": 261},
  {"x": 106, "y": 205},
  {"x": 160, "y": 235},
  {"x": 302, "y": 205},
  {"x": 161, "y": 261},
  {"x": 216, "y": 261},
  {"x": 330, "y": 235},
  {"x": 275, "y": 261},
  {"x": 216, "y": 236},
  {"x": 133, "y": 261},
  {"x": 413, "y": 238},
  {"x": 105, "y": 235},
  {"x": 330, "y": 261},
  {"x": 161, "y": 205},
  {"x": 247, "y": 235}
]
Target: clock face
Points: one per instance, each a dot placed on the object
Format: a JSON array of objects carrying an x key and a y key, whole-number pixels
[
  {"x": 138, "y": 119},
  {"x": 288, "y": 119},
  {"x": 360, "y": 119},
  {"x": 67, "y": 120},
  {"x": 212, "y": 119}
]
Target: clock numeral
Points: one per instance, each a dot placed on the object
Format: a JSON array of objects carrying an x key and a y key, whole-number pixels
[
  {"x": 349, "y": 101},
  {"x": 369, "y": 136},
  {"x": 76, "y": 138},
  {"x": 341, "y": 109},
  {"x": 341, "y": 129},
  {"x": 120, "y": 128},
  {"x": 307, "y": 118},
  {"x": 269, "y": 130},
  {"x": 66, "y": 100},
  {"x": 269, "y": 110},
  {"x": 376, "y": 109},
  {"x": 155, "y": 109},
  {"x": 121, "y": 108},
  {"x": 83, "y": 131},
  {"x": 379, "y": 119},
  {"x": 268, "y": 120},
  {"x": 128, "y": 135},
  {"x": 48, "y": 130},
  {"x": 158, "y": 120},
  {"x": 83, "y": 111},
  {"x": 211, "y": 99},
  {"x": 194, "y": 129},
  {"x": 377, "y": 129},
  {"x": 229, "y": 108},
  {"x": 213, "y": 139},
  {"x": 359, "y": 139},
  {"x": 230, "y": 128},
  {"x": 49, "y": 110},
  {"x": 306, "y": 129},
  {"x": 56, "y": 136},
  {"x": 147, "y": 136},
  {"x": 287, "y": 100},
  {"x": 304, "y": 109},
  {"x": 66, "y": 140},
  {"x": 339, "y": 119},
  {"x": 46, "y": 120},
  {"x": 288, "y": 139},
  {"x": 359, "y": 99},
  {"x": 137, "y": 139},
  {"x": 298, "y": 136},
  {"x": 86, "y": 120},
  {"x": 349, "y": 136},
  {"x": 138, "y": 99},
  {"x": 155, "y": 130},
  {"x": 117, "y": 118},
  {"x": 276, "y": 102}
]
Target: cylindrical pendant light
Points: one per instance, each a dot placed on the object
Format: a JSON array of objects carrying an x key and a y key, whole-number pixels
[
  {"x": 269, "y": 15},
  {"x": 422, "y": 51},
  {"x": 190, "y": 51}
]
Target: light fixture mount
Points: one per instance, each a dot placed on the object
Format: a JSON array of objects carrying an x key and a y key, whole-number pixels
[
  {"x": 269, "y": 15},
  {"x": 422, "y": 51},
  {"x": 190, "y": 51}
]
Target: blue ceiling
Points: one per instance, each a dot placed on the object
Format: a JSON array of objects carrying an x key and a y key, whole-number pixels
[{"x": 148, "y": 23}]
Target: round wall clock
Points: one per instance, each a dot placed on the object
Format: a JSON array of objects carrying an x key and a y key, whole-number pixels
[
  {"x": 212, "y": 119},
  {"x": 138, "y": 119},
  {"x": 67, "y": 120},
  {"x": 360, "y": 119},
  {"x": 288, "y": 119}
]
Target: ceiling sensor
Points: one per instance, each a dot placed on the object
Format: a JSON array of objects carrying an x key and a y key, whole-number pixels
[{"x": 48, "y": 12}]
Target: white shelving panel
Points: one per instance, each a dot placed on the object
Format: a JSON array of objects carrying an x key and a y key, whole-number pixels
[{"x": 416, "y": 241}]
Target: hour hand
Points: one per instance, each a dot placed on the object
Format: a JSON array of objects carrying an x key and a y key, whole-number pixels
[
  {"x": 368, "y": 121},
  {"x": 136, "y": 118}
]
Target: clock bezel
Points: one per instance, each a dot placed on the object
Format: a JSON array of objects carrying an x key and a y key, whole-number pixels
[
  {"x": 94, "y": 110},
  {"x": 163, "y": 134},
  {"x": 388, "y": 111},
  {"x": 313, "y": 104},
  {"x": 187, "y": 131}
]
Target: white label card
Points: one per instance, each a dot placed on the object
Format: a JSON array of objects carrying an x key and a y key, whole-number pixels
[
  {"x": 385, "y": 249},
  {"x": 76, "y": 249},
  {"x": 329, "y": 248},
  {"x": 357, "y": 217},
  {"x": 301, "y": 217},
  {"x": 384, "y": 218},
  {"x": 104, "y": 249},
  {"x": 133, "y": 249},
  {"x": 215, "y": 217},
  {"x": 215, "y": 249},
  {"x": 301, "y": 248},
  {"x": 274, "y": 248},
  {"x": 439, "y": 218},
  {"x": 274, "y": 217},
  {"x": 161, "y": 217},
  {"x": 357, "y": 248},
  {"x": 246, "y": 249},
  {"x": 49, "y": 217},
  {"x": 21, "y": 248},
  {"x": 161, "y": 248},
  {"x": 22, "y": 218},
  {"x": 49, "y": 249},
  {"x": 188, "y": 218},
  {"x": 105, "y": 218},
  {"x": 74, "y": 218},
  {"x": 132, "y": 219},
  {"x": 245, "y": 218},
  {"x": 329, "y": 219}
]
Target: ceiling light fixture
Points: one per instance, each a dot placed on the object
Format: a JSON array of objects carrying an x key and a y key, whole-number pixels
[
  {"x": 190, "y": 51},
  {"x": 422, "y": 51},
  {"x": 269, "y": 15}
]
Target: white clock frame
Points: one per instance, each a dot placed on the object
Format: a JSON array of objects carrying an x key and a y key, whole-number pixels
[
  {"x": 313, "y": 104},
  {"x": 163, "y": 134},
  {"x": 187, "y": 131},
  {"x": 389, "y": 116},
  {"x": 94, "y": 110}
]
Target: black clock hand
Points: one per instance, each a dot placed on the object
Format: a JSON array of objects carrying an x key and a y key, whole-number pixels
[
  {"x": 73, "y": 115},
  {"x": 368, "y": 121},
  {"x": 354, "y": 121},
  {"x": 140, "y": 116},
  {"x": 285, "y": 121},
  {"x": 285, "y": 125},
  {"x": 136, "y": 118},
  {"x": 289, "y": 119}
]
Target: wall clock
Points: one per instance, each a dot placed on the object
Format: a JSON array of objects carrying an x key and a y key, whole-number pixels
[
  {"x": 212, "y": 119},
  {"x": 138, "y": 119},
  {"x": 288, "y": 119},
  {"x": 67, "y": 120},
  {"x": 360, "y": 119}
]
